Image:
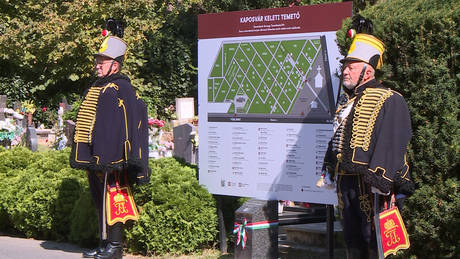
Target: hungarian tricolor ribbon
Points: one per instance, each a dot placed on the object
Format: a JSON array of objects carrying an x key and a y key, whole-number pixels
[{"x": 240, "y": 229}]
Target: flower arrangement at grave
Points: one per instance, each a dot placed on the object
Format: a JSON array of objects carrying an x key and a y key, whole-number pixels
[
  {"x": 170, "y": 111},
  {"x": 27, "y": 107},
  {"x": 11, "y": 113},
  {"x": 6, "y": 130},
  {"x": 47, "y": 118},
  {"x": 158, "y": 140},
  {"x": 10, "y": 131}
]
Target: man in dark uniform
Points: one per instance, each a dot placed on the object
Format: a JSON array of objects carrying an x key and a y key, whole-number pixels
[
  {"x": 111, "y": 139},
  {"x": 367, "y": 153}
]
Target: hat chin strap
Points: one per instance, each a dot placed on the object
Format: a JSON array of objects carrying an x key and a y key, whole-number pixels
[
  {"x": 110, "y": 69},
  {"x": 95, "y": 71},
  {"x": 362, "y": 74}
]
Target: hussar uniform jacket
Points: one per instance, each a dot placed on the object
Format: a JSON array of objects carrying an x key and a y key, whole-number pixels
[
  {"x": 111, "y": 132},
  {"x": 372, "y": 139}
]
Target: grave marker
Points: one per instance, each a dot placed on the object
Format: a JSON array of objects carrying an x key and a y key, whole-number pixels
[
  {"x": 2, "y": 106},
  {"x": 256, "y": 229},
  {"x": 183, "y": 146}
]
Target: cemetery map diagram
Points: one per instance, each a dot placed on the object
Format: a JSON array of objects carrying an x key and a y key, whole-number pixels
[{"x": 274, "y": 80}]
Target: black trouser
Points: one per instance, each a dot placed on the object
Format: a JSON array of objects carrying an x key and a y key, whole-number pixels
[
  {"x": 355, "y": 204},
  {"x": 97, "y": 186}
]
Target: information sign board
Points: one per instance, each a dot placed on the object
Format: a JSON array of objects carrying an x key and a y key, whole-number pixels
[{"x": 266, "y": 86}]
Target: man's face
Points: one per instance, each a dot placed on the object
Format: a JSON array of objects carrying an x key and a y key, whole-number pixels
[
  {"x": 104, "y": 66},
  {"x": 351, "y": 72}
]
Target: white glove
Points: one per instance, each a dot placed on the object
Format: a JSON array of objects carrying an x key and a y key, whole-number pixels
[
  {"x": 330, "y": 186},
  {"x": 377, "y": 191},
  {"x": 325, "y": 182}
]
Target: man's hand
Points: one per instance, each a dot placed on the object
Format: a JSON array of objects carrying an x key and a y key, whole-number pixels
[
  {"x": 325, "y": 181},
  {"x": 375, "y": 190}
]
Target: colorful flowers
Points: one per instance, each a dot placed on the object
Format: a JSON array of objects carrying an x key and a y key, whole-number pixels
[
  {"x": 10, "y": 131},
  {"x": 156, "y": 123},
  {"x": 165, "y": 145},
  {"x": 27, "y": 107},
  {"x": 160, "y": 136},
  {"x": 170, "y": 111},
  {"x": 6, "y": 126}
]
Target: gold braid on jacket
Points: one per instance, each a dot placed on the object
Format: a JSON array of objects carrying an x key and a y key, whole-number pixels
[
  {"x": 87, "y": 116},
  {"x": 366, "y": 111}
]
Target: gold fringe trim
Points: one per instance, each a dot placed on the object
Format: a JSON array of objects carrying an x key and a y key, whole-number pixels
[
  {"x": 366, "y": 111},
  {"x": 87, "y": 116}
]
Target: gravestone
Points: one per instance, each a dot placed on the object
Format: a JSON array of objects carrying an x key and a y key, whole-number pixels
[
  {"x": 68, "y": 131},
  {"x": 31, "y": 138},
  {"x": 261, "y": 240},
  {"x": 66, "y": 127},
  {"x": 65, "y": 105},
  {"x": 185, "y": 109},
  {"x": 2, "y": 106},
  {"x": 183, "y": 146},
  {"x": 17, "y": 105}
]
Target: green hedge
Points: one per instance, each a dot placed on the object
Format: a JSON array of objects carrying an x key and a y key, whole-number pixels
[
  {"x": 42, "y": 197},
  {"x": 38, "y": 192},
  {"x": 177, "y": 214}
]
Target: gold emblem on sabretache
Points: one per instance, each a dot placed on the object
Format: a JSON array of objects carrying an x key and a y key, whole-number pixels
[
  {"x": 120, "y": 204},
  {"x": 390, "y": 225},
  {"x": 390, "y": 232}
]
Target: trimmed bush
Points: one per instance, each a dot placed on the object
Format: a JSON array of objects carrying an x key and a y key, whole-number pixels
[
  {"x": 44, "y": 198},
  {"x": 84, "y": 229},
  {"x": 177, "y": 215},
  {"x": 39, "y": 192}
]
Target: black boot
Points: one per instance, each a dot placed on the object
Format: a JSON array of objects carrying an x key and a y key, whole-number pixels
[
  {"x": 98, "y": 250},
  {"x": 102, "y": 240},
  {"x": 373, "y": 254},
  {"x": 354, "y": 253},
  {"x": 114, "y": 249}
]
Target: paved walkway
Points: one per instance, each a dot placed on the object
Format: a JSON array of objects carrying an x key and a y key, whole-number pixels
[{"x": 27, "y": 248}]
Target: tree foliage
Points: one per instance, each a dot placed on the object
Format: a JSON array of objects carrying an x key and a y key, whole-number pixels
[
  {"x": 422, "y": 62},
  {"x": 48, "y": 45},
  {"x": 214, "y": 6},
  {"x": 170, "y": 55}
]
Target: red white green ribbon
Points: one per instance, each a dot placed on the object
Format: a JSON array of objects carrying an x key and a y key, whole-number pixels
[{"x": 240, "y": 229}]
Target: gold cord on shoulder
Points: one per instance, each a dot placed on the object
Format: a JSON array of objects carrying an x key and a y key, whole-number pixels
[
  {"x": 110, "y": 85},
  {"x": 366, "y": 111}
]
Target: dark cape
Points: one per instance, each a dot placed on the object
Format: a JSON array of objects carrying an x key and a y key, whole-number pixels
[{"x": 111, "y": 132}]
